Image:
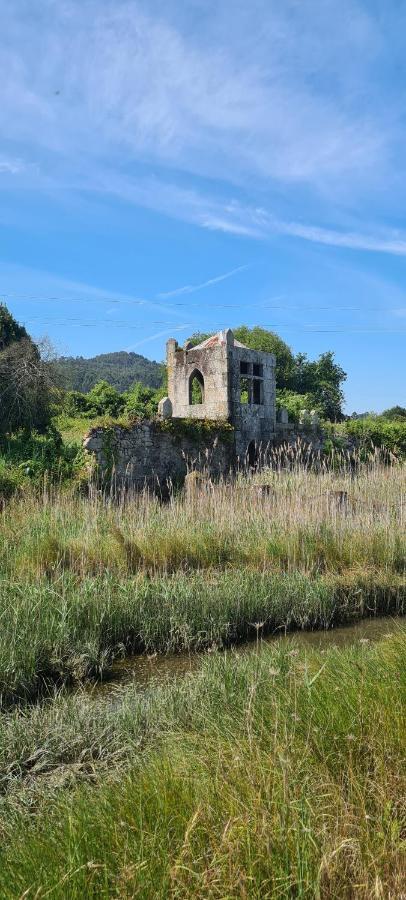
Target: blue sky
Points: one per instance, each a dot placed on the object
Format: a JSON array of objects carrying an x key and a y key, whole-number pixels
[{"x": 167, "y": 167}]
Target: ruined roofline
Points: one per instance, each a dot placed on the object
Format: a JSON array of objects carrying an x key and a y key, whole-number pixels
[{"x": 221, "y": 338}]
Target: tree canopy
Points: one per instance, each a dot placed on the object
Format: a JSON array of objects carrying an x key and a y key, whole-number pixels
[
  {"x": 10, "y": 330},
  {"x": 24, "y": 379}
]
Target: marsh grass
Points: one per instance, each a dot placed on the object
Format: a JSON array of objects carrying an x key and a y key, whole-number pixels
[
  {"x": 85, "y": 580},
  {"x": 54, "y": 632},
  {"x": 276, "y": 775}
]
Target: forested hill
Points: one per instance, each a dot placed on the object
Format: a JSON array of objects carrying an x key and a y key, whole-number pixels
[{"x": 120, "y": 370}]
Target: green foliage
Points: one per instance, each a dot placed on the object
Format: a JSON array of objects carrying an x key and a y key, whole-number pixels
[
  {"x": 395, "y": 412},
  {"x": 197, "y": 429},
  {"x": 104, "y": 399},
  {"x": 142, "y": 401},
  {"x": 378, "y": 431},
  {"x": 321, "y": 380},
  {"x": 120, "y": 370},
  {"x": 10, "y": 330},
  {"x": 27, "y": 457},
  {"x": 295, "y": 403},
  {"x": 75, "y": 403}
]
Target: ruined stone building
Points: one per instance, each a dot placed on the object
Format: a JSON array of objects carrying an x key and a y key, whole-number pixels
[
  {"x": 221, "y": 379},
  {"x": 219, "y": 414}
]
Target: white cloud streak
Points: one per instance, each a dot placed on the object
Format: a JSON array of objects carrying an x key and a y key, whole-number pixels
[
  {"x": 192, "y": 288},
  {"x": 158, "y": 334}
]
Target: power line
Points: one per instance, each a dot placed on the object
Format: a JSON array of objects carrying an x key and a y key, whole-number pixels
[
  {"x": 135, "y": 326},
  {"x": 187, "y": 305}
]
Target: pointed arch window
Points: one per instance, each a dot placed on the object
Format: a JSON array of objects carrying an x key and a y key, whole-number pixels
[{"x": 196, "y": 388}]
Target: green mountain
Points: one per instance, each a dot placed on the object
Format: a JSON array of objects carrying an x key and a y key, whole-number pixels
[{"x": 121, "y": 370}]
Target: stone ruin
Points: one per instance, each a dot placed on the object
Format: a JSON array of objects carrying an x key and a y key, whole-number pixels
[
  {"x": 222, "y": 380},
  {"x": 220, "y": 413}
]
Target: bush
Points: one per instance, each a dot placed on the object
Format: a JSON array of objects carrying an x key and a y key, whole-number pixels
[
  {"x": 295, "y": 403},
  {"x": 104, "y": 399},
  {"x": 141, "y": 401},
  {"x": 75, "y": 404},
  {"x": 30, "y": 456},
  {"x": 11, "y": 480},
  {"x": 379, "y": 431}
]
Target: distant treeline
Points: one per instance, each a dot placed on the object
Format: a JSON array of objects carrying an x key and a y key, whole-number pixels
[{"x": 121, "y": 370}]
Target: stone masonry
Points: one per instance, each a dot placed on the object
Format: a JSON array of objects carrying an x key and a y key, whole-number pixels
[
  {"x": 219, "y": 414},
  {"x": 155, "y": 454},
  {"x": 237, "y": 385}
]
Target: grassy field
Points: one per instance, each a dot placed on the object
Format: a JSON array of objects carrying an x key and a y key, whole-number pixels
[{"x": 276, "y": 775}]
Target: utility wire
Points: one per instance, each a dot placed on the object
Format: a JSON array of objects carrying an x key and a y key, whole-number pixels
[
  {"x": 311, "y": 329},
  {"x": 188, "y": 305}
]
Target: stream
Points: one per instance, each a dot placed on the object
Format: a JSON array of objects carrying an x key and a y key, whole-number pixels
[{"x": 143, "y": 669}]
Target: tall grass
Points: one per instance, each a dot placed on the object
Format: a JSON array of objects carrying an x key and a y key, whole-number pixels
[
  {"x": 276, "y": 775},
  {"x": 304, "y": 522},
  {"x": 83, "y": 580},
  {"x": 70, "y": 629}
]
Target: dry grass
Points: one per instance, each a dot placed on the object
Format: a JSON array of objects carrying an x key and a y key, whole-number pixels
[{"x": 302, "y": 522}]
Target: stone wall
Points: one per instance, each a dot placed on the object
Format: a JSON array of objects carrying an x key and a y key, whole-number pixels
[
  {"x": 153, "y": 453},
  {"x": 213, "y": 366}
]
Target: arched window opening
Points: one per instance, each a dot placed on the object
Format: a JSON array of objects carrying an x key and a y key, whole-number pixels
[{"x": 196, "y": 388}]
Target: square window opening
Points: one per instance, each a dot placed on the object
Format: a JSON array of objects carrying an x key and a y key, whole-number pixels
[
  {"x": 244, "y": 368},
  {"x": 258, "y": 370}
]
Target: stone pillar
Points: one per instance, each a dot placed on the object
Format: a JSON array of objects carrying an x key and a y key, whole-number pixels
[{"x": 171, "y": 348}]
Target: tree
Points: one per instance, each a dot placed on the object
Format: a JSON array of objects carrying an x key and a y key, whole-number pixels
[
  {"x": 75, "y": 404},
  {"x": 322, "y": 379},
  {"x": 104, "y": 399},
  {"x": 25, "y": 389},
  {"x": 25, "y": 379},
  {"x": 10, "y": 330},
  {"x": 395, "y": 412},
  {"x": 142, "y": 401}
]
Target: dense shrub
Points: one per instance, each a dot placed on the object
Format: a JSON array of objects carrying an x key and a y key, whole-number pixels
[
  {"x": 28, "y": 457},
  {"x": 379, "y": 431}
]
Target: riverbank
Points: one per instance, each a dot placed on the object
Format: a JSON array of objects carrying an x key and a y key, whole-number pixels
[
  {"x": 276, "y": 774},
  {"x": 86, "y": 581},
  {"x": 66, "y": 629}
]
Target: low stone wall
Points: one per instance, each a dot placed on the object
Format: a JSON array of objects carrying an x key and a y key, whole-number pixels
[{"x": 153, "y": 453}]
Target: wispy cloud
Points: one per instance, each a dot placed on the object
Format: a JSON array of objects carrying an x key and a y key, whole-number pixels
[
  {"x": 95, "y": 79},
  {"x": 258, "y": 223},
  {"x": 12, "y": 166},
  {"x": 192, "y": 288},
  {"x": 158, "y": 334},
  {"x": 237, "y": 219},
  {"x": 132, "y": 100}
]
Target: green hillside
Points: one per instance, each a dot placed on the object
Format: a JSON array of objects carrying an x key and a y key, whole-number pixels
[{"x": 120, "y": 370}]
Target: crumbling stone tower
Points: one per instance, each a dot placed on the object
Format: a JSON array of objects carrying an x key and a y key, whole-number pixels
[{"x": 224, "y": 380}]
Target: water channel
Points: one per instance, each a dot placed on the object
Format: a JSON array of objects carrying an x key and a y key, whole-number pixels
[{"x": 142, "y": 669}]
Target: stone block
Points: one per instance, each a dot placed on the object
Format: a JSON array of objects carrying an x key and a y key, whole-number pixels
[{"x": 165, "y": 408}]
